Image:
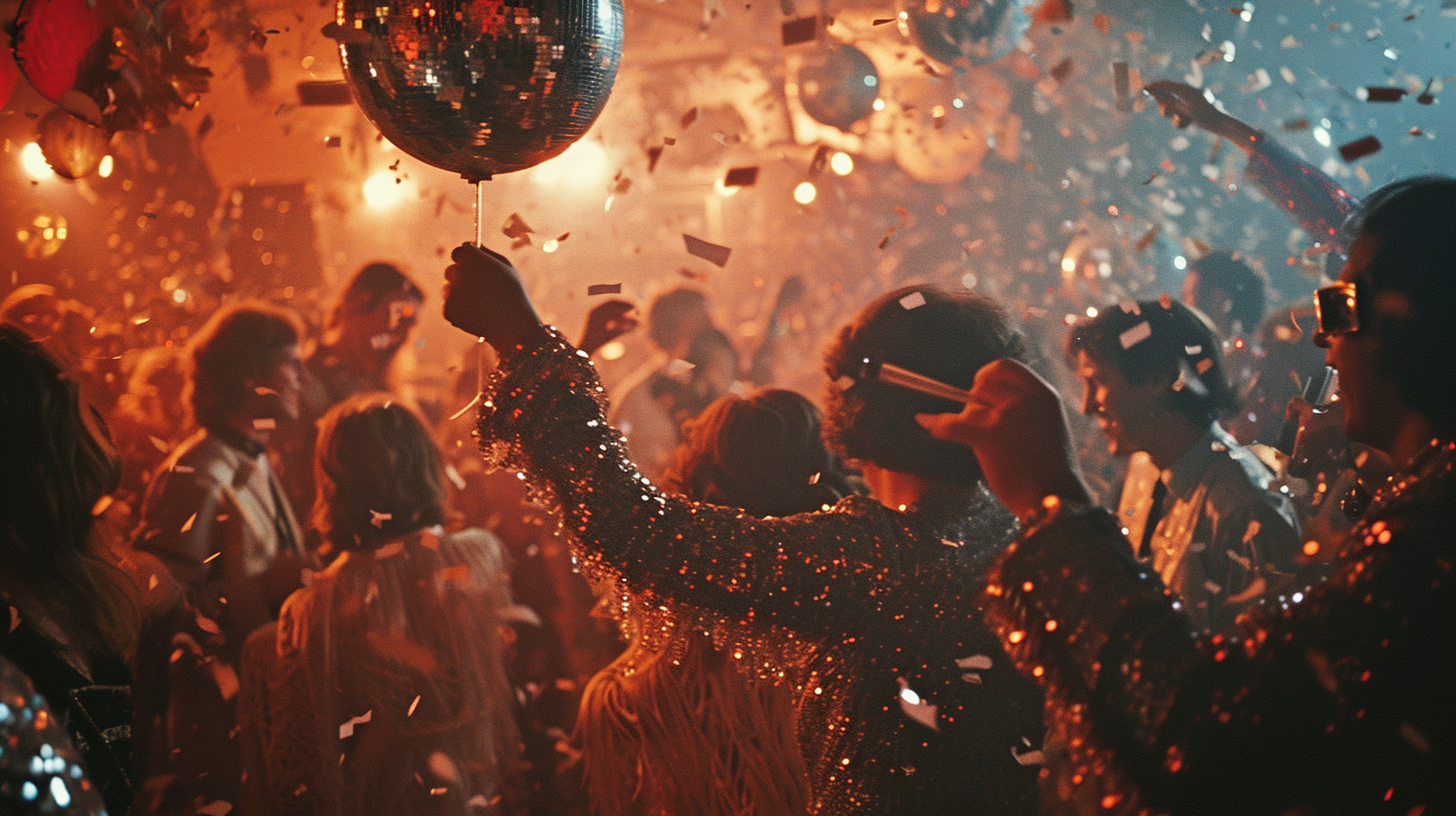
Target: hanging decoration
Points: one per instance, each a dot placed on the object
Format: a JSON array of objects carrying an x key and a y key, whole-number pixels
[
  {"x": 838, "y": 85},
  {"x": 962, "y": 33},
  {"x": 113, "y": 65},
  {"x": 480, "y": 87}
]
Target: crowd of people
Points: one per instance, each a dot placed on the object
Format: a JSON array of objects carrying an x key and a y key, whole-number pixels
[{"x": 261, "y": 581}]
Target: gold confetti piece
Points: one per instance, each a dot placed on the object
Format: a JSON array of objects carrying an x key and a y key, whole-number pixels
[
  {"x": 1135, "y": 335},
  {"x": 914, "y": 300},
  {"x": 347, "y": 729},
  {"x": 187, "y": 525},
  {"x": 210, "y": 558},
  {"x": 687, "y": 120},
  {"x": 265, "y": 424},
  {"x": 604, "y": 289},
  {"x": 101, "y": 504},
  {"x": 377, "y": 518},
  {"x": 710, "y": 252},
  {"x": 413, "y": 706}
]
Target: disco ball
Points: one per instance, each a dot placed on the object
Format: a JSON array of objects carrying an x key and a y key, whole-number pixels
[
  {"x": 966, "y": 32},
  {"x": 838, "y": 85},
  {"x": 480, "y": 87}
]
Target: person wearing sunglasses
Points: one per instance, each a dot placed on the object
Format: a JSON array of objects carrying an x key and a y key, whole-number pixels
[{"x": 1336, "y": 702}]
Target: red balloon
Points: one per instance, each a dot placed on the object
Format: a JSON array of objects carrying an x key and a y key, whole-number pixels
[
  {"x": 53, "y": 40},
  {"x": 9, "y": 73}
]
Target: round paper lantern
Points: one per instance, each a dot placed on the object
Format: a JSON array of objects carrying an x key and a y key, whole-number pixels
[
  {"x": 480, "y": 87},
  {"x": 72, "y": 147},
  {"x": 838, "y": 85},
  {"x": 967, "y": 32}
]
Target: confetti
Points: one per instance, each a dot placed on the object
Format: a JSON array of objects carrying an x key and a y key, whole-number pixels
[
  {"x": 1385, "y": 94},
  {"x": 712, "y": 253},
  {"x": 844, "y": 383},
  {"x": 1359, "y": 148},
  {"x": 1062, "y": 70},
  {"x": 347, "y": 729},
  {"x": 413, "y": 706},
  {"x": 1135, "y": 335},
  {"x": 1192, "y": 350},
  {"x": 218, "y": 808},
  {"x": 978, "y": 662},
  {"x": 653, "y": 154},
  {"x": 604, "y": 289},
  {"x": 1121, "y": 85},
  {"x": 210, "y": 558},
  {"x": 377, "y": 518},
  {"x": 516, "y": 229},
  {"x": 265, "y": 424},
  {"x": 334, "y": 141},
  {"x": 687, "y": 120},
  {"x": 914, "y": 300},
  {"x": 1149, "y": 236},
  {"x": 741, "y": 177},
  {"x": 821, "y": 158},
  {"x": 802, "y": 30},
  {"x": 101, "y": 504},
  {"x": 152, "y": 582},
  {"x": 187, "y": 525}
]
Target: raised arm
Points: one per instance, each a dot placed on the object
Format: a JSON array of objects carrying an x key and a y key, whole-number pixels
[
  {"x": 1314, "y": 200},
  {"x": 542, "y": 414}
]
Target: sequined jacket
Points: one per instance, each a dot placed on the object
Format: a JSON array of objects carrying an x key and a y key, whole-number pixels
[
  {"x": 906, "y": 703},
  {"x": 40, "y": 769},
  {"x": 1338, "y": 702}
]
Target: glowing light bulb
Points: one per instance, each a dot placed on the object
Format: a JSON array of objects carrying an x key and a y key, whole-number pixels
[
  {"x": 841, "y": 163},
  {"x": 805, "y": 192},
  {"x": 107, "y": 165},
  {"x": 34, "y": 162},
  {"x": 383, "y": 190},
  {"x": 550, "y": 245}
]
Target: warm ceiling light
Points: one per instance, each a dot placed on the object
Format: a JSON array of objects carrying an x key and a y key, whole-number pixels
[
  {"x": 805, "y": 192},
  {"x": 107, "y": 165},
  {"x": 383, "y": 190},
  {"x": 35, "y": 163},
  {"x": 841, "y": 163}
]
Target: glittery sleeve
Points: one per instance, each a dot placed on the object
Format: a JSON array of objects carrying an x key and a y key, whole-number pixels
[
  {"x": 1327, "y": 704},
  {"x": 40, "y": 769},
  {"x": 1314, "y": 200},
  {"x": 542, "y": 414}
]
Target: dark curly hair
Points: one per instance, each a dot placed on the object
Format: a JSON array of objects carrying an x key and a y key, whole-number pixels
[
  {"x": 762, "y": 453},
  {"x": 949, "y": 337},
  {"x": 1161, "y": 339},
  {"x": 240, "y": 343}
]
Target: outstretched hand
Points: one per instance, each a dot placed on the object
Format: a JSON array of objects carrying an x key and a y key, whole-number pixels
[
  {"x": 1186, "y": 105},
  {"x": 484, "y": 296},
  {"x": 606, "y": 322},
  {"x": 1015, "y": 424}
]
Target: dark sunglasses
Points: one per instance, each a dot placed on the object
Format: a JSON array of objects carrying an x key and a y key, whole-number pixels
[{"x": 1335, "y": 312}]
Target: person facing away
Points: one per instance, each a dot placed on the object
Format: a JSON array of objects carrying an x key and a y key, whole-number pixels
[
  {"x": 674, "y": 319},
  {"x": 73, "y": 615},
  {"x": 674, "y": 726},
  {"x": 1196, "y": 505},
  {"x": 1336, "y": 702},
  {"x": 868, "y": 608},
  {"x": 367, "y": 327},
  {"x": 381, "y": 688},
  {"x": 216, "y": 514}
]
